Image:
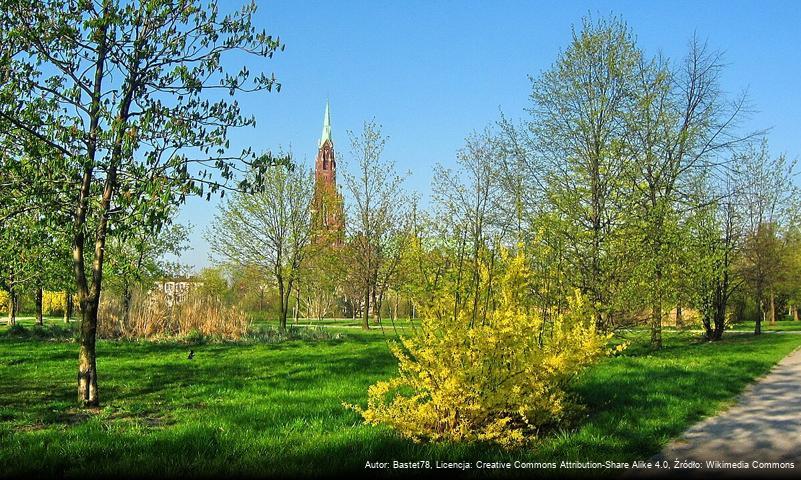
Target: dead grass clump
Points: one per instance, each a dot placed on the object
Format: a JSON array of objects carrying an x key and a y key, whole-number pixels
[{"x": 151, "y": 316}]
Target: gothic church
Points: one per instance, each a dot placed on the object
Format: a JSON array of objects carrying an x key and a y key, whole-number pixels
[{"x": 328, "y": 205}]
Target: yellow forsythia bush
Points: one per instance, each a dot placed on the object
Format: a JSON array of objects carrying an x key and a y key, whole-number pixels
[
  {"x": 3, "y": 301},
  {"x": 53, "y": 302},
  {"x": 498, "y": 380}
]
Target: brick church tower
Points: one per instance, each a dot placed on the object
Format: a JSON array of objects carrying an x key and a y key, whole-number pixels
[{"x": 328, "y": 208}]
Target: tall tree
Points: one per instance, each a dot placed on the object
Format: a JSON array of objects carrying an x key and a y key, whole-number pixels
[
  {"x": 469, "y": 200},
  {"x": 680, "y": 125},
  {"x": 377, "y": 219},
  {"x": 578, "y": 124},
  {"x": 269, "y": 229},
  {"x": 769, "y": 199},
  {"x": 131, "y": 98}
]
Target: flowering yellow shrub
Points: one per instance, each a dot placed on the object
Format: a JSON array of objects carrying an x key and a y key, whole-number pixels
[
  {"x": 3, "y": 301},
  {"x": 498, "y": 380},
  {"x": 54, "y": 302}
]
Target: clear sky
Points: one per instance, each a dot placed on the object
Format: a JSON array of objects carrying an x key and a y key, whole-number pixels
[{"x": 433, "y": 71}]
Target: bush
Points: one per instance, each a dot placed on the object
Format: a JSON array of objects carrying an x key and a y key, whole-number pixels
[
  {"x": 46, "y": 332},
  {"x": 54, "y": 303},
  {"x": 272, "y": 334},
  {"x": 3, "y": 302},
  {"x": 17, "y": 331},
  {"x": 499, "y": 380}
]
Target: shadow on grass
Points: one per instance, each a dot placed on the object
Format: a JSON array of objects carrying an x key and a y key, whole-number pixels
[{"x": 277, "y": 409}]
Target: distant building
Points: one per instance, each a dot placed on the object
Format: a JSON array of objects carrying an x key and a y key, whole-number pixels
[
  {"x": 177, "y": 289},
  {"x": 327, "y": 205}
]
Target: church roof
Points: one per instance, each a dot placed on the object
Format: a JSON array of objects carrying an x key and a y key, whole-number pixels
[{"x": 326, "y": 126}]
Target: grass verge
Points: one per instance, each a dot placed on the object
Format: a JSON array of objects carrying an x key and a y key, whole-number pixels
[{"x": 261, "y": 409}]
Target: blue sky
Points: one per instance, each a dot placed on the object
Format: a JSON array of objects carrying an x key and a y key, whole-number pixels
[{"x": 431, "y": 72}]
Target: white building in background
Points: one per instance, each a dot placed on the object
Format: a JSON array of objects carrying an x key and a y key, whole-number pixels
[{"x": 176, "y": 290}]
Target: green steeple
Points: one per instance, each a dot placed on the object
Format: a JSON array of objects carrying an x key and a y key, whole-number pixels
[{"x": 326, "y": 126}]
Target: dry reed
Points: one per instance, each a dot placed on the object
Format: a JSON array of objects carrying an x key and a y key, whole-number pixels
[{"x": 151, "y": 316}]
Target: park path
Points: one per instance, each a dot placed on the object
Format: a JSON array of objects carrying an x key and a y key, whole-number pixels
[{"x": 763, "y": 426}]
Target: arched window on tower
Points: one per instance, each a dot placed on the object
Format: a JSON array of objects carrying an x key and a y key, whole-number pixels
[{"x": 325, "y": 163}]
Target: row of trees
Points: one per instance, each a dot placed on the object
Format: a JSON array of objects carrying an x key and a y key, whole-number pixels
[
  {"x": 273, "y": 231},
  {"x": 631, "y": 179}
]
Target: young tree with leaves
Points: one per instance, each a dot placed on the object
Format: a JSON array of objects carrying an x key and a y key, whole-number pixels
[
  {"x": 680, "y": 126},
  {"x": 377, "y": 219},
  {"x": 136, "y": 260},
  {"x": 769, "y": 199},
  {"x": 578, "y": 127},
  {"x": 468, "y": 200},
  {"x": 133, "y": 100},
  {"x": 269, "y": 229}
]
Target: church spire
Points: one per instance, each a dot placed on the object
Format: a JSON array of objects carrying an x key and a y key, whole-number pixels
[{"x": 326, "y": 126}]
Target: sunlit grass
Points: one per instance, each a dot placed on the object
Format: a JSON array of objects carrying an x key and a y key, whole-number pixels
[
  {"x": 259, "y": 409},
  {"x": 779, "y": 326}
]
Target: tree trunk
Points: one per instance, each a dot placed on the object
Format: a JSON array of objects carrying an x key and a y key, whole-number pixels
[
  {"x": 282, "y": 318},
  {"x": 366, "y": 311},
  {"x": 87, "y": 357},
  {"x": 656, "y": 326},
  {"x": 283, "y": 307},
  {"x": 90, "y": 299},
  {"x": 795, "y": 313},
  {"x": 379, "y": 302},
  {"x": 68, "y": 307},
  {"x": 374, "y": 304},
  {"x": 679, "y": 316},
  {"x": 12, "y": 307},
  {"x": 656, "y": 311},
  {"x": 759, "y": 318},
  {"x": 126, "y": 303},
  {"x": 39, "y": 316},
  {"x": 707, "y": 322},
  {"x": 12, "y": 300},
  {"x": 772, "y": 308},
  {"x": 297, "y": 303},
  {"x": 720, "y": 317}
]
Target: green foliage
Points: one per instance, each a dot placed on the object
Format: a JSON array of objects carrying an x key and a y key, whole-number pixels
[
  {"x": 268, "y": 230},
  {"x": 578, "y": 126},
  {"x": 48, "y": 331},
  {"x": 212, "y": 282},
  {"x": 136, "y": 260},
  {"x": 123, "y": 111}
]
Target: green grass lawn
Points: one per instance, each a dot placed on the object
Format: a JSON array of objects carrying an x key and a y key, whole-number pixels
[
  {"x": 258, "y": 409},
  {"x": 780, "y": 326},
  {"x": 387, "y": 323}
]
